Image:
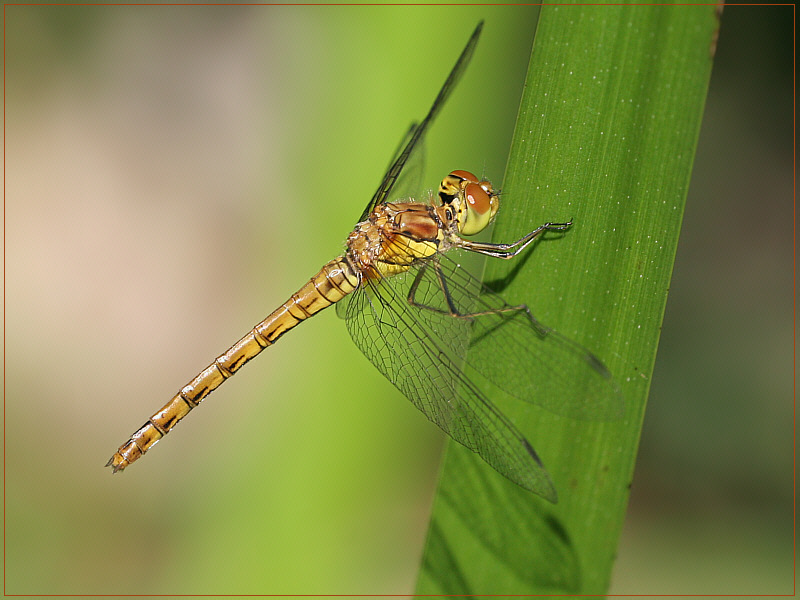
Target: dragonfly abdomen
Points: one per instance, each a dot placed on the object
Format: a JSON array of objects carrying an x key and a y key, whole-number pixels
[{"x": 332, "y": 283}]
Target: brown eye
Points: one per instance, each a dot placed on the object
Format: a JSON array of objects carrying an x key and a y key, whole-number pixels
[
  {"x": 477, "y": 198},
  {"x": 480, "y": 209},
  {"x": 465, "y": 175}
]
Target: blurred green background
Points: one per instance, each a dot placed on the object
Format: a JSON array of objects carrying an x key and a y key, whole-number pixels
[{"x": 175, "y": 173}]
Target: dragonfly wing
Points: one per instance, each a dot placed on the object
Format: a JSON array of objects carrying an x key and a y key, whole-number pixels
[
  {"x": 507, "y": 339},
  {"x": 416, "y": 133},
  {"x": 409, "y": 184},
  {"x": 424, "y": 363}
]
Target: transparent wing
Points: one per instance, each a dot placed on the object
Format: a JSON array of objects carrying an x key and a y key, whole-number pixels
[
  {"x": 423, "y": 359},
  {"x": 508, "y": 339},
  {"x": 417, "y": 132},
  {"x": 409, "y": 182}
]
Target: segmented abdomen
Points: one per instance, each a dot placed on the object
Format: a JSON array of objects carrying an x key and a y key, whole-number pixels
[{"x": 333, "y": 282}]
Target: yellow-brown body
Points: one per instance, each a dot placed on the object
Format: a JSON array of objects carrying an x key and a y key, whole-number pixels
[{"x": 395, "y": 236}]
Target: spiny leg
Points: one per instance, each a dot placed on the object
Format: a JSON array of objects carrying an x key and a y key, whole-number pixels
[
  {"x": 453, "y": 311},
  {"x": 509, "y": 250}
]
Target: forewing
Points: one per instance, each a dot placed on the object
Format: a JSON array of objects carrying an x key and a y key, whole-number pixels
[
  {"x": 416, "y": 133},
  {"x": 423, "y": 360},
  {"x": 410, "y": 181}
]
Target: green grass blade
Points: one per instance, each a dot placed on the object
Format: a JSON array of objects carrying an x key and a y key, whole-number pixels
[{"x": 606, "y": 135}]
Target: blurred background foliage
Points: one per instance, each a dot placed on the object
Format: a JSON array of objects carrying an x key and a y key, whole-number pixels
[{"x": 174, "y": 173}]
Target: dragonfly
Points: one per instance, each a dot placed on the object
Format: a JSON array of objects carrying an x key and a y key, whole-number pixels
[{"x": 430, "y": 327}]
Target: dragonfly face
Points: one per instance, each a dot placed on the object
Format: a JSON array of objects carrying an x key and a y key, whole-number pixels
[{"x": 468, "y": 202}]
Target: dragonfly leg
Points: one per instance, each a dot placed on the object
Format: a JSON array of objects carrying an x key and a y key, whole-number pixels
[
  {"x": 453, "y": 309},
  {"x": 509, "y": 250}
]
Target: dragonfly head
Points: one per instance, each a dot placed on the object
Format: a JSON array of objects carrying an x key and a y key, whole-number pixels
[{"x": 468, "y": 202}]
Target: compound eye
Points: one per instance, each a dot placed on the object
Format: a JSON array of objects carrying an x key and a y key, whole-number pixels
[
  {"x": 465, "y": 175},
  {"x": 479, "y": 209},
  {"x": 477, "y": 198}
]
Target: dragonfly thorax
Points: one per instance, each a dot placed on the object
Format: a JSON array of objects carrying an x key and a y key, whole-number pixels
[
  {"x": 467, "y": 202},
  {"x": 394, "y": 237}
]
